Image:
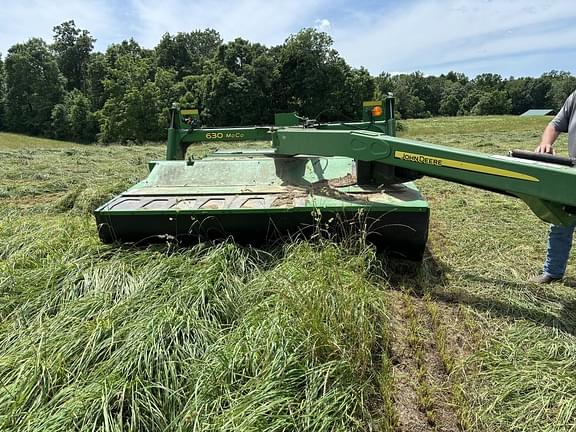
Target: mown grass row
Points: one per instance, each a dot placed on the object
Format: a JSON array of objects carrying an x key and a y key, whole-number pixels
[
  {"x": 207, "y": 338},
  {"x": 526, "y": 381},
  {"x": 486, "y": 247}
]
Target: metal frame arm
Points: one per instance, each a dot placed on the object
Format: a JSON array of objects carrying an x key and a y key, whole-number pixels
[
  {"x": 185, "y": 130},
  {"x": 549, "y": 190}
]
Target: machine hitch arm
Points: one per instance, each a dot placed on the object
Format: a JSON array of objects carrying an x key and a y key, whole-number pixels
[{"x": 548, "y": 189}]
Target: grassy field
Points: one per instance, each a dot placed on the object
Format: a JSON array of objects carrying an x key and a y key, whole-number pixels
[{"x": 306, "y": 336}]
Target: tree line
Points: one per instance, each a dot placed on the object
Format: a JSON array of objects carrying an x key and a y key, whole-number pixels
[{"x": 66, "y": 90}]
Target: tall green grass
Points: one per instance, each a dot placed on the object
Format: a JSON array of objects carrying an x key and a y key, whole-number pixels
[
  {"x": 219, "y": 337},
  {"x": 206, "y": 338}
]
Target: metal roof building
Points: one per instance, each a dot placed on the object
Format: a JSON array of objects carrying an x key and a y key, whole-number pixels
[{"x": 536, "y": 112}]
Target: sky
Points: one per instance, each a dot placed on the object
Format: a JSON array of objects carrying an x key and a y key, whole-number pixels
[{"x": 508, "y": 37}]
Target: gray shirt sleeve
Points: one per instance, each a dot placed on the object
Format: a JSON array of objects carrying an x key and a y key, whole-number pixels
[{"x": 562, "y": 119}]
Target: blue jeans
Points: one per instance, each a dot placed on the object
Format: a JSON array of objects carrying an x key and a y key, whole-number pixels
[{"x": 559, "y": 245}]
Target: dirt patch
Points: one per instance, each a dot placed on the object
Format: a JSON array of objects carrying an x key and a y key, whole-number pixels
[
  {"x": 410, "y": 416},
  {"x": 422, "y": 394},
  {"x": 462, "y": 334},
  {"x": 325, "y": 188},
  {"x": 287, "y": 198},
  {"x": 347, "y": 180},
  {"x": 446, "y": 418}
]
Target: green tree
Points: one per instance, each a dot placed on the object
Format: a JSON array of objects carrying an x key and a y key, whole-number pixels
[
  {"x": 413, "y": 92},
  {"x": 186, "y": 53},
  {"x": 488, "y": 82},
  {"x": 452, "y": 97},
  {"x": 311, "y": 74},
  {"x": 456, "y": 77},
  {"x": 73, "y": 119},
  {"x": 538, "y": 90},
  {"x": 492, "y": 102},
  {"x": 450, "y": 104},
  {"x": 34, "y": 86},
  {"x": 561, "y": 85},
  {"x": 191, "y": 90},
  {"x": 527, "y": 93},
  {"x": 126, "y": 49},
  {"x": 72, "y": 47},
  {"x": 96, "y": 74},
  {"x": 132, "y": 111},
  {"x": 168, "y": 91},
  {"x": 359, "y": 87},
  {"x": 2, "y": 93},
  {"x": 226, "y": 98},
  {"x": 241, "y": 75},
  {"x": 435, "y": 93},
  {"x": 471, "y": 98},
  {"x": 384, "y": 84},
  {"x": 60, "y": 125}
]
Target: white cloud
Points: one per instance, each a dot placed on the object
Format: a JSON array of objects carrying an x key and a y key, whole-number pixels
[
  {"x": 21, "y": 21},
  {"x": 323, "y": 25},
  {"x": 428, "y": 35},
  {"x": 433, "y": 32},
  {"x": 265, "y": 21}
]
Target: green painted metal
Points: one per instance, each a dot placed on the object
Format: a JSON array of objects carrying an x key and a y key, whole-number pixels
[
  {"x": 547, "y": 188},
  {"x": 386, "y": 119},
  {"x": 337, "y": 175},
  {"x": 179, "y": 140},
  {"x": 259, "y": 196},
  {"x": 184, "y": 130},
  {"x": 286, "y": 119}
]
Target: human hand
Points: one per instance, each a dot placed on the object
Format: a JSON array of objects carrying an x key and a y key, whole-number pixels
[{"x": 545, "y": 148}]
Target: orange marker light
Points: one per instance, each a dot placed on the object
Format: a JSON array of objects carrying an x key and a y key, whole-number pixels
[{"x": 377, "y": 111}]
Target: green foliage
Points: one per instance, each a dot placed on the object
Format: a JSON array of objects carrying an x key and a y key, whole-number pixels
[
  {"x": 241, "y": 75},
  {"x": 311, "y": 74},
  {"x": 133, "y": 110},
  {"x": 236, "y": 83},
  {"x": 561, "y": 85},
  {"x": 488, "y": 82},
  {"x": 493, "y": 102},
  {"x": 73, "y": 119},
  {"x": 413, "y": 91},
  {"x": 226, "y": 97},
  {"x": 527, "y": 93},
  {"x": 452, "y": 97},
  {"x": 186, "y": 53},
  {"x": 34, "y": 86},
  {"x": 72, "y": 47},
  {"x": 96, "y": 74},
  {"x": 359, "y": 87},
  {"x": 2, "y": 93},
  {"x": 384, "y": 84}
]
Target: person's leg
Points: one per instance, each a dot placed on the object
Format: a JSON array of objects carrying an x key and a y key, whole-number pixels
[{"x": 559, "y": 245}]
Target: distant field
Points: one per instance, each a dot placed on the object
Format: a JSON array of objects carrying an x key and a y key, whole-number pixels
[{"x": 307, "y": 336}]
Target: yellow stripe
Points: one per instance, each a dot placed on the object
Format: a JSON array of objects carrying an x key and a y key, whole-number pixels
[
  {"x": 371, "y": 103},
  {"x": 189, "y": 111},
  {"x": 467, "y": 166}
]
